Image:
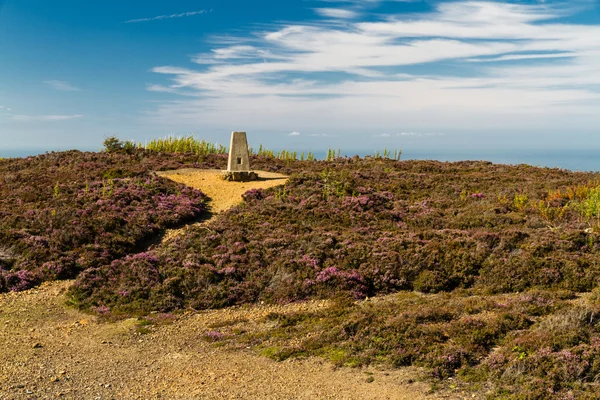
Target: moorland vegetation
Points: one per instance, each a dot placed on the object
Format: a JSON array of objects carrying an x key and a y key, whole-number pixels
[{"x": 489, "y": 271}]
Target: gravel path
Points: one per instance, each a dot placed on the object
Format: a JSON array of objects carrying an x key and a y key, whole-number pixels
[
  {"x": 222, "y": 194},
  {"x": 49, "y": 350}
]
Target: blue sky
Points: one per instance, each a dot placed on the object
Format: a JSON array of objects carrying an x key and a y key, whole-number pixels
[{"x": 306, "y": 74}]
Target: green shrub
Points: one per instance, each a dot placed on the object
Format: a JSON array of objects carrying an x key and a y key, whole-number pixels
[{"x": 112, "y": 144}]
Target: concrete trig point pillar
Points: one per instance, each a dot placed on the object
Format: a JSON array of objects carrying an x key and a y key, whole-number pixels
[{"x": 238, "y": 165}]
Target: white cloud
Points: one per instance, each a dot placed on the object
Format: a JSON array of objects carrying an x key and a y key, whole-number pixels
[
  {"x": 418, "y": 134},
  {"x": 170, "y": 16},
  {"x": 294, "y": 134},
  {"x": 338, "y": 13},
  {"x": 277, "y": 78},
  {"x": 62, "y": 85},
  {"x": 160, "y": 88},
  {"x": 413, "y": 134},
  {"x": 27, "y": 118},
  {"x": 514, "y": 57}
]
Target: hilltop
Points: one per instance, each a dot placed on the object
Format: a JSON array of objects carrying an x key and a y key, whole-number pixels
[{"x": 482, "y": 274}]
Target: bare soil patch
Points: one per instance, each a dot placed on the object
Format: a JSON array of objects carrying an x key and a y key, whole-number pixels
[
  {"x": 48, "y": 350},
  {"x": 223, "y": 194}
]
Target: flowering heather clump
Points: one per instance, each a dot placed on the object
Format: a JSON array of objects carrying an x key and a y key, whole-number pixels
[
  {"x": 368, "y": 227},
  {"x": 60, "y": 214},
  {"x": 555, "y": 358},
  {"x": 254, "y": 194},
  {"x": 19, "y": 280},
  {"x": 449, "y": 334},
  {"x": 213, "y": 336}
]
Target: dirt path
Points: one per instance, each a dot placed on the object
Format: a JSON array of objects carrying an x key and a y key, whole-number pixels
[
  {"x": 48, "y": 350},
  {"x": 223, "y": 194}
]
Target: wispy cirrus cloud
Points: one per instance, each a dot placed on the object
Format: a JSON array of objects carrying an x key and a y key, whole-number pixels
[
  {"x": 514, "y": 57},
  {"x": 486, "y": 61},
  {"x": 29, "y": 118},
  {"x": 294, "y": 134},
  {"x": 169, "y": 16},
  {"x": 62, "y": 86},
  {"x": 339, "y": 13}
]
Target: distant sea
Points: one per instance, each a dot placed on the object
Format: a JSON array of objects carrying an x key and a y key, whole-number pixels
[
  {"x": 18, "y": 153},
  {"x": 575, "y": 160},
  {"x": 572, "y": 159}
]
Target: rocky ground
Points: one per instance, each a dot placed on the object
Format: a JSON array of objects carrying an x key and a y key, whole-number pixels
[{"x": 49, "y": 350}]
